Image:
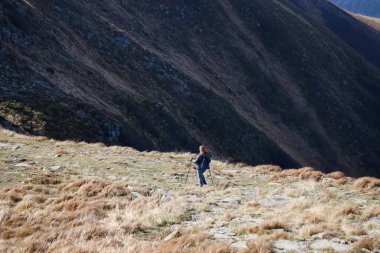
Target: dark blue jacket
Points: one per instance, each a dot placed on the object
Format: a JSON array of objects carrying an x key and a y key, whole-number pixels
[{"x": 199, "y": 159}]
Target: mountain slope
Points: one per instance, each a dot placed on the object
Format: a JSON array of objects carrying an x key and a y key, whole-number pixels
[
  {"x": 256, "y": 81},
  {"x": 368, "y": 7},
  {"x": 116, "y": 199},
  {"x": 357, "y": 35}
]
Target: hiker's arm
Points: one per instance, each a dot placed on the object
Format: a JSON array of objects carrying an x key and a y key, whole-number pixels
[{"x": 197, "y": 159}]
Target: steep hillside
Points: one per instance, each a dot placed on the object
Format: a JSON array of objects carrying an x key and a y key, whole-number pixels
[
  {"x": 367, "y": 7},
  {"x": 373, "y": 22},
  {"x": 362, "y": 38},
  {"x": 257, "y": 81},
  {"x": 64, "y": 196}
]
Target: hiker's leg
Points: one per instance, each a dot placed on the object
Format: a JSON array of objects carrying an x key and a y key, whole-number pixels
[
  {"x": 201, "y": 177},
  {"x": 204, "y": 179}
]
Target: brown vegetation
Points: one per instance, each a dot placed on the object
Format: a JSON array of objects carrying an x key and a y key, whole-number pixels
[
  {"x": 266, "y": 169},
  {"x": 192, "y": 243},
  {"x": 262, "y": 244},
  {"x": 269, "y": 225},
  {"x": 366, "y": 243},
  {"x": 347, "y": 210},
  {"x": 328, "y": 230},
  {"x": 303, "y": 173},
  {"x": 367, "y": 184}
]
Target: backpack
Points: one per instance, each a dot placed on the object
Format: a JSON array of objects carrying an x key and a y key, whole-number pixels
[{"x": 205, "y": 164}]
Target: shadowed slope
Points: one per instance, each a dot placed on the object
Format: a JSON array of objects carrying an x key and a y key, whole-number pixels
[{"x": 256, "y": 81}]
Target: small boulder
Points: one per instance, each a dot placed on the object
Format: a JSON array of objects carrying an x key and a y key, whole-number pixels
[
  {"x": 55, "y": 168},
  {"x": 136, "y": 195},
  {"x": 166, "y": 197},
  {"x": 26, "y": 165}
]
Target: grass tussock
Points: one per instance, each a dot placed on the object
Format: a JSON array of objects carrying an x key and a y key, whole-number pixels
[
  {"x": 44, "y": 179},
  {"x": 96, "y": 188},
  {"x": 353, "y": 230},
  {"x": 367, "y": 243},
  {"x": 370, "y": 212},
  {"x": 191, "y": 243},
  {"x": 306, "y": 173},
  {"x": 312, "y": 218},
  {"x": 328, "y": 230},
  {"x": 367, "y": 184},
  {"x": 343, "y": 181},
  {"x": 88, "y": 210},
  {"x": 347, "y": 210},
  {"x": 260, "y": 245},
  {"x": 267, "y": 169},
  {"x": 269, "y": 225},
  {"x": 336, "y": 175}
]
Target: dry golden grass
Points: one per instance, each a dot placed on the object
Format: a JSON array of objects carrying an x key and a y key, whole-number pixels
[
  {"x": 219, "y": 172},
  {"x": 366, "y": 243},
  {"x": 336, "y": 175},
  {"x": 300, "y": 205},
  {"x": 191, "y": 243},
  {"x": 313, "y": 218},
  {"x": 62, "y": 152},
  {"x": 46, "y": 211},
  {"x": 94, "y": 211},
  {"x": 326, "y": 197},
  {"x": 262, "y": 244},
  {"x": 241, "y": 165},
  {"x": 306, "y": 173},
  {"x": 353, "y": 230},
  {"x": 44, "y": 179},
  {"x": 328, "y": 230},
  {"x": 266, "y": 169},
  {"x": 347, "y": 210},
  {"x": 269, "y": 225},
  {"x": 228, "y": 216},
  {"x": 367, "y": 184},
  {"x": 370, "y": 212},
  {"x": 343, "y": 181}
]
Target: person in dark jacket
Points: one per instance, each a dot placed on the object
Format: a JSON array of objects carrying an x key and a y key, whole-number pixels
[{"x": 202, "y": 163}]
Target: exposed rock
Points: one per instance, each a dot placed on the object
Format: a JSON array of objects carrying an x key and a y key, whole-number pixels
[
  {"x": 166, "y": 197},
  {"x": 290, "y": 246},
  {"x": 275, "y": 200},
  {"x": 23, "y": 165},
  {"x": 219, "y": 224},
  {"x": 326, "y": 244},
  {"x": 233, "y": 200},
  {"x": 250, "y": 237},
  {"x": 55, "y": 168},
  {"x": 375, "y": 220},
  {"x": 328, "y": 180},
  {"x": 136, "y": 195}
]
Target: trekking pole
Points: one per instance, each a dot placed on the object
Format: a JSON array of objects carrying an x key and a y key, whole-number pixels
[
  {"x": 212, "y": 181},
  {"x": 187, "y": 175}
]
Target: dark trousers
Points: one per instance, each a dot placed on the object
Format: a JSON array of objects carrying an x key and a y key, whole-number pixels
[{"x": 201, "y": 177}]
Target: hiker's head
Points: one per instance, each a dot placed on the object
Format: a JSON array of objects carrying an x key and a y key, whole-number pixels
[{"x": 202, "y": 150}]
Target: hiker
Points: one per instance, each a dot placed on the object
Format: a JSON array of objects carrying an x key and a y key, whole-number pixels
[{"x": 202, "y": 163}]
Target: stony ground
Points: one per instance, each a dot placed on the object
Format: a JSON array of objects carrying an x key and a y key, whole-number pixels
[{"x": 78, "y": 197}]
